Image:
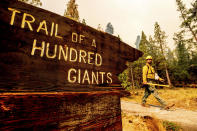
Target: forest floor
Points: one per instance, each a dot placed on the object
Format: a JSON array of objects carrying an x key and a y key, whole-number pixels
[{"x": 183, "y": 116}]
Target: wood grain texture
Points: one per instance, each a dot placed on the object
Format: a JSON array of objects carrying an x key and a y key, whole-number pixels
[
  {"x": 35, "y": 92},
  {"x": 60, "y": 111},
  {"x": 21, "y": 71}
]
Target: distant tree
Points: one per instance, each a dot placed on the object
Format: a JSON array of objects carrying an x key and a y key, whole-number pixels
[
  {"x": 188, "y": 18},
  {"x": 143, "y": 43},
  {"x": 84, "y": 21},
  {"x": 148, "y": 47},
  {"x": 183, "y": 58},
  {"x": 193, "y": 18},
  {"x": 109, "y": 28},
  {"x": 137, "y": 42},
  {"x": 193, "y": 11},
  {"x": 160, "y": 39},
  {"x": 129, "y": 80},
  {"x": 123, "y": 77},
  {"x": 119, "y": 37},
  {"x": 186, "y": 53},
  {"x": 131, "y": 75},
  {"x": 172, "y": 64},
  {"x": 153, "y": 49},
  {"x": 137, "y": 65},
  {"x": 193, "y": 66},
  {"x": 170, "y": 56},
  {"x": 72, "y": 10},
  {"x": 32, "y": 2},
  {"x": 99, "y": 27}
]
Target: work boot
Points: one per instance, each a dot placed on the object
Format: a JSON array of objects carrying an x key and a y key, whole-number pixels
[
  {"x": 168, "y": 106},
  {"x": 145, "y": 105}
]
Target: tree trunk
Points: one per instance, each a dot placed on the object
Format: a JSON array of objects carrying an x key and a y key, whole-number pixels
[
  {"x": 133, "y": 85},
  {"x": 167, "y": 74},
  {"x": 193, "y": 33},
  {"x": 168, "y": 77}
]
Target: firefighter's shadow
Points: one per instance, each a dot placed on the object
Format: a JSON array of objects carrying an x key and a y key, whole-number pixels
[
  {"x": 130, "y": 97},
  {"x": 162, "y": 108}
]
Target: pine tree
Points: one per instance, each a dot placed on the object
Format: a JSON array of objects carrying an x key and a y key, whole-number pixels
[
  {"x": 137, "y": 43},
  {"x": 72, "y": 10},
  {"x": 143, "y": 43},
  {"x": 84, "y": 21},
  {"x": 137, "y": 65},
  {"x": 119, "y": 37},
  {"x": 193, "y": 66},
  {"x": 193, "y": 11},
  {"x": 160, "y": 39},
  {"x": 187, "y": 21},
  {"x": 183, "y": 57},
  {"x": 170, "y": 56},
  {"x": 155, "y": 52},
  {"x": 109, "y": 28},
  {"x": 172, "y": 64},
  {"x": 193, "y": 18},
  {"x": 32, "y": 2}
]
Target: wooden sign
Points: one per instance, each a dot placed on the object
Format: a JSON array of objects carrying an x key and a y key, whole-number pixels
[
  {"x": 51, "y": 68},
  {"x": 42, "y": 51}
]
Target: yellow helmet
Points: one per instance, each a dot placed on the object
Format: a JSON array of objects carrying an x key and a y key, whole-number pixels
[{"x": 149, "y": 57}]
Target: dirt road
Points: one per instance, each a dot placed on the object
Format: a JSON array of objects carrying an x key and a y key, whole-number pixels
[{"x": 185, "y": 118}]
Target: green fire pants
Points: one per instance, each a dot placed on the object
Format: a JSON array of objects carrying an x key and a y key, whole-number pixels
[{"x": 151, "y": 89}]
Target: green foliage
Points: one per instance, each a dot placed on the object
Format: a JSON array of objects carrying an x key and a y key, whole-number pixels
[
  {"x": 119, "y": 37},
  {"x": 193, "y": 66},
  {"x": 138, "y": 65},
  {"x": 181, "y": 63},
  {"x": 170, "y": 126},
  {"x": 185, "y": 62},
  {"x": 170, "y": 57},
  {"x": 181, "y": 50},
  {"x": 148, "y": 47},
  {"x": 84, "y": 21},
  {"x": 183, "y": 13},
  {"x": 193, "y": 11},
  {"x": 156, "y": 53},
  {"x": 159, "y": 35},
  {"x": 160, "y": 42},
  {"x": 188, "y": 17},
  {"x": 123, "y": 77},
  {"x": 193, "y": 18}
]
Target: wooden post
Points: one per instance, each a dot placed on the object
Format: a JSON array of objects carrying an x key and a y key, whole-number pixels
[{"x": 133, "y": 84}]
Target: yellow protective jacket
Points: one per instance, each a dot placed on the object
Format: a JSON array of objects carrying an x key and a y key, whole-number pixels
[{"x": 148, "y": 72}]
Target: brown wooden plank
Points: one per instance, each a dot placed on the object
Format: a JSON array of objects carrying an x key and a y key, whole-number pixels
[{"x": 60, "y": 111}]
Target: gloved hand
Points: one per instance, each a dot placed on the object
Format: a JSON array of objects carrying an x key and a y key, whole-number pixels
[{"x": 162, "y": 80}]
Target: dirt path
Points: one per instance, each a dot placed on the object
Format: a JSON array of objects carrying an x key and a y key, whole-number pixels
[{"x": 185, "y": 118}]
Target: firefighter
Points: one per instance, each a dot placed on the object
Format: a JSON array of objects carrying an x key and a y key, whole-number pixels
[{"x": 149, "y": 76}]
